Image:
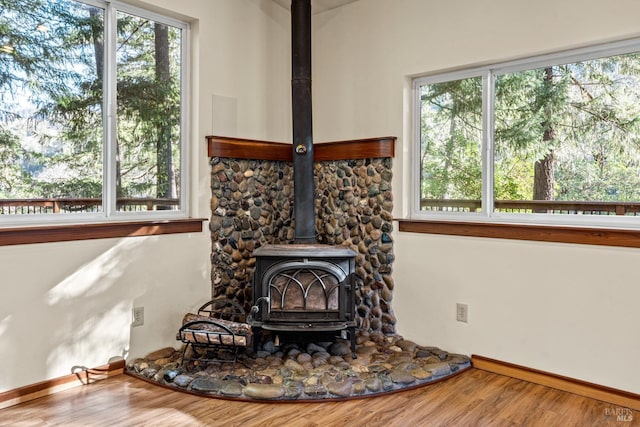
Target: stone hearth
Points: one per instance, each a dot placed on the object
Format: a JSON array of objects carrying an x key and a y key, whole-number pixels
[{"x": 306, "y": 372}]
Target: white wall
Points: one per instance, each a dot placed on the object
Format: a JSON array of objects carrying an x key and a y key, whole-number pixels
[
  {"x": 68, "y": 305},
  {"x": 566, "y": 309}
]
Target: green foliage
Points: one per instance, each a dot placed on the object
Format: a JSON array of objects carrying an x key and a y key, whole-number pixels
[
  {"x": 451, "y": 136},
  {"x": 12, "y": 180},
  {"x": 587, "y": 114},
  {"x": 51, "y": 102}
]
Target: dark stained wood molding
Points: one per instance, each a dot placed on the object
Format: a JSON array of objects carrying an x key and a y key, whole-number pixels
[
  {"x": 238, "y": 148},
  {"x": 369, "y": 148},
  {"x": 104, "y": 230},
  {"x": 559, "y": 382},
  {"x": 540, "y": 233},
  {"x": 83, "y": 376}
]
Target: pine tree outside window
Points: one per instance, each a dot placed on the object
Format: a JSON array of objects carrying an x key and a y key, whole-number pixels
[
  {"x": 550, "y": 140},
  {"x": 92, "y": 112}
]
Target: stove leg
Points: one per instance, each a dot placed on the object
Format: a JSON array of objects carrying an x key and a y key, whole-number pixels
[
  {"x": 352, "y": 338},
  {"x": 257, "y": 338}
]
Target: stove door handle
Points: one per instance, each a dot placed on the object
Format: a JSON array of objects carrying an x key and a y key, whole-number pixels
[{"x": 256, "y": 308}]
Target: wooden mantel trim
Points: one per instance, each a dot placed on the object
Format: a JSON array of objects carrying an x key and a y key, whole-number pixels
[
  {"x": 71, "y": 232},
  {"x": 370, "y": 148},
  {"x": 238, "y": 148}
]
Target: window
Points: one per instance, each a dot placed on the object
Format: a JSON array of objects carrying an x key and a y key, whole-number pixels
[
  {"x": 553, "y": 139},
  {"x": 92, "y": 112}
]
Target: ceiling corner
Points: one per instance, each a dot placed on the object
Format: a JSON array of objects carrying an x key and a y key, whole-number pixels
[{"x": 318, "y": 6}]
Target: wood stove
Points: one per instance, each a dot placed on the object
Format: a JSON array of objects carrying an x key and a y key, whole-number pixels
[{"x": 304, "y": 289}]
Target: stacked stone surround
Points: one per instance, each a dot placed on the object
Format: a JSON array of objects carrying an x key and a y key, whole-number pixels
[{"x": 252, "y": 206}]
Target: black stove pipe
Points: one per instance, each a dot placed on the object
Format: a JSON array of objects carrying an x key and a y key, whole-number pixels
[{"x": 304, "y": 192}]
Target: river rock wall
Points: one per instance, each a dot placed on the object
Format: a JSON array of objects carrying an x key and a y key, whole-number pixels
[{"x": 252, "y": 206}]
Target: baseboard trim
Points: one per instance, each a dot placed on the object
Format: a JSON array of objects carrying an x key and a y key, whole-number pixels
[
  {"x": 583, "y": 388},
  {"x": 81, "y": 376}
]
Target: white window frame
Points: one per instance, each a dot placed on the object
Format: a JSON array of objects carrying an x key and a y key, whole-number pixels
[
  {"x": 109, "y": 212},
  {"x": 488, "y": 74}
]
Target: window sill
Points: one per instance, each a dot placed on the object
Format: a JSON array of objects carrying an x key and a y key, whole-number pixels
[
  {"x": 103, "y": 230},
  {"x": 540, "y": 233}
]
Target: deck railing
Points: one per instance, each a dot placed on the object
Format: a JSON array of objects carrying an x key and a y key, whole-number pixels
[
  {"x": 534, "y": 206},
  {"x": 77, "y": 205},
  {"x": 81, "y": 205}
]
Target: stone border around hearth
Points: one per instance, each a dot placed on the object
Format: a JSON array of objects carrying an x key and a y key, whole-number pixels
[{"x": 314, "y": 372}]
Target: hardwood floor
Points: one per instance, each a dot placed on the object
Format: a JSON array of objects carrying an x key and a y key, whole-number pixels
[{"x": 473, "y": 398}]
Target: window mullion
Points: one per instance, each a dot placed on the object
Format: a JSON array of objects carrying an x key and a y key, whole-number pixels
[
  {"x": 488, "y": 86},
  {"x": 185, "y": 159},
  {"x": 416, "y": 165},
  {"x": 110, "y": 129}
]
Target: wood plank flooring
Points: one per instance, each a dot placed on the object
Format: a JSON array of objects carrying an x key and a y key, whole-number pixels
[{"x": 473, "y": 398}]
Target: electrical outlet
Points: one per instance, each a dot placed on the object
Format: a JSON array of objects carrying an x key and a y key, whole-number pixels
[
  {"x": 462, "y": 312},
  {"x": 138, "y": 316}
]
